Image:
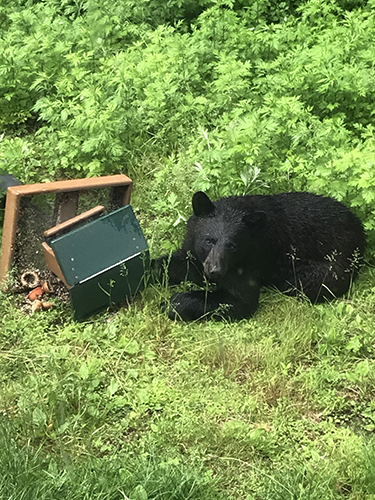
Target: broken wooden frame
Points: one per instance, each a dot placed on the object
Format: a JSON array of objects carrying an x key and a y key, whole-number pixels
[{"x": 66, "y": 205}]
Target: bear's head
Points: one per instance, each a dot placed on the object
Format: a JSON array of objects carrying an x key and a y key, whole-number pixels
[{"x": 224, "y": 234}]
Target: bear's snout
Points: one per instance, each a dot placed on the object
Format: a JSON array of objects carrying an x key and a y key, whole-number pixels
[{"x": 214, "y": 266}]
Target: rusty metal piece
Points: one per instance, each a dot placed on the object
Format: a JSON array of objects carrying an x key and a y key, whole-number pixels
[
  {"x": 35, "y": 294},
  {"x": 29, "y": 279},
  {"x": 121, "y": 185}
]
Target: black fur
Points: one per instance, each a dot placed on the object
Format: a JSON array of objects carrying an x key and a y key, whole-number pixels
[{"x": 296, "y": 242}]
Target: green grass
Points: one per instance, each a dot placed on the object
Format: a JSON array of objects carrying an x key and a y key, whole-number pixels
[
  {"x": 28, "y": 473},
  {"x": 280, "y": 406}
]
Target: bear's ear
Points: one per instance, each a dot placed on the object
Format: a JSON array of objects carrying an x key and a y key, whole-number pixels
[
  {"x": 202, "y": 205},
  {"x": 255, "y": 219}
]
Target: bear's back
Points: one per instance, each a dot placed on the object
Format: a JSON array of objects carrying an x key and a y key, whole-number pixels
[{"x": 313, "y": 224}]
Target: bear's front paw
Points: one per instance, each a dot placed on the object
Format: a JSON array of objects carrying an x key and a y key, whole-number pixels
[
  {"x": 174, "y": 307},
  {"x": 182, "y": 306}
]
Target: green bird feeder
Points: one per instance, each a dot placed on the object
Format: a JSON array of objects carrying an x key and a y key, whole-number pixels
[{"x": 103, "y": 262}]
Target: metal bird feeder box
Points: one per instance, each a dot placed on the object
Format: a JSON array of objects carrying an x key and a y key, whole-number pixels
[{"x": 103, "y": 262}]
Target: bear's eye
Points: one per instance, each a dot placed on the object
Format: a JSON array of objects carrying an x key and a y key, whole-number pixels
[
  {"x": 231, "y": 247},
  {"x": 210, "y": 241}
]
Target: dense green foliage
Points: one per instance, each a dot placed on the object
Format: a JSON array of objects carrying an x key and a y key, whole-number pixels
[
  {"x": 234, "y": 97},
  {"x": 228, "y": 96}
]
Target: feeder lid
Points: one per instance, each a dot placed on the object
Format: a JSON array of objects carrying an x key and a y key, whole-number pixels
[{"x": 99, "y": 245}]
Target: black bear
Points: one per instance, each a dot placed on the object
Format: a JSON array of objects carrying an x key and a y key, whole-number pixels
[{"x": 296, "y": 242}]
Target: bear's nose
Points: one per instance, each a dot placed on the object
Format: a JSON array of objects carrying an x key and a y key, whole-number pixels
[
  {"x": 214, "y": 274},
  {"x": 212, "y": 271}
]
